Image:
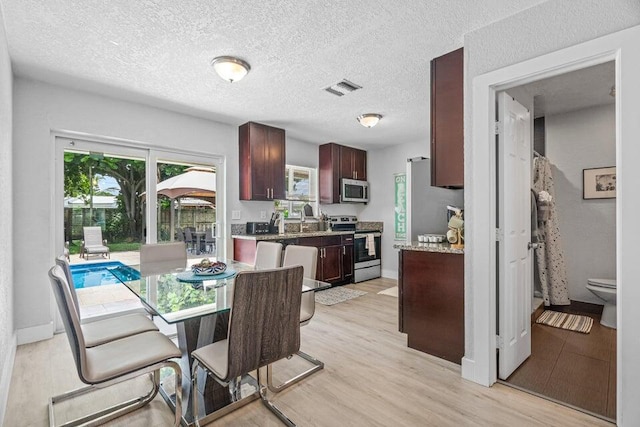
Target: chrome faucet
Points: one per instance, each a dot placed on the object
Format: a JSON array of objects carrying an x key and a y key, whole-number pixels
[{"x": 304, "y": 227}]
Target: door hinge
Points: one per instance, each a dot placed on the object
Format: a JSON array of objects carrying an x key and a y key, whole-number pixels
[
  {"x": 499, "y": 235},
  {"x": 499, "y": 342},
  {"x": 497, "y": 127}
]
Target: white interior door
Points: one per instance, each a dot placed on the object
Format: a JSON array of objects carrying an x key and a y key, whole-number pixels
[{"x": 515, "y": 266}]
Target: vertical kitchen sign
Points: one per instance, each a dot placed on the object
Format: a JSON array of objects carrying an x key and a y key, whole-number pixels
[{"x": 400, "y": 206}]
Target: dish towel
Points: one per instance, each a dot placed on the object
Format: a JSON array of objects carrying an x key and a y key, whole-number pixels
[{"x": 370, "y": 244}]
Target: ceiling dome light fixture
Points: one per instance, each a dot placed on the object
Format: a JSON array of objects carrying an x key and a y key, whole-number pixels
[
  {"x": 369, "y": 120},
  {"x": 230, "y": 68}
]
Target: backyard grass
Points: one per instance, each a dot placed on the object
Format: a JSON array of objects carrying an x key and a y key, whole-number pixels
[{"x": 74, "y": 247}]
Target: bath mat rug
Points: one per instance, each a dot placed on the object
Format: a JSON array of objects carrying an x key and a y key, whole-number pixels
[
  {"x": 392, "y": 292},
  {"x": 571, "y": 322},
  {"x": 336, "y": 295}
]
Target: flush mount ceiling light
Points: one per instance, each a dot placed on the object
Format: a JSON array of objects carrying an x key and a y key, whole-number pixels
[
  {"x": 369, "y": 120},
  {"x": 230, "y": 68}
]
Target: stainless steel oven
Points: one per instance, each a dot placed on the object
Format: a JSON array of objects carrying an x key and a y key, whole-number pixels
[{"x": 367, "y": 255}]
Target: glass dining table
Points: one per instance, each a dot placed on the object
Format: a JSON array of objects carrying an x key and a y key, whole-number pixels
[{"x": 199, "y": 306}]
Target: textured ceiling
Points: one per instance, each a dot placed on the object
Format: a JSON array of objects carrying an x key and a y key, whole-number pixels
[
  {"x": 584, "y": 88},
  {"x": 158, "y": 52}
]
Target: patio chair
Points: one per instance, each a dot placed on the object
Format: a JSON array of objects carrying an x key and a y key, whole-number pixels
[
  {"x": 190, "y": 240},
  {"x": 113, "y": 362},
  {"x": 93, "y": 244},
  {"x": 209, "y": 241},
  {"x": 307, "y": 257},
  {"x": 264, "y": 327}
]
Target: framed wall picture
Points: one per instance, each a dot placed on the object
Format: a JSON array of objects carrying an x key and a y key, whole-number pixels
[{"x": 599, "y": 183}]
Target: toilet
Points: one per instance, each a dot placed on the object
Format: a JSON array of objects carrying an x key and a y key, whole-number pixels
[{"x": 605, "y": 289}]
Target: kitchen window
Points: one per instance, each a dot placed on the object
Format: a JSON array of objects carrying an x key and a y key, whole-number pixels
[{"x": 301, "y": 187}]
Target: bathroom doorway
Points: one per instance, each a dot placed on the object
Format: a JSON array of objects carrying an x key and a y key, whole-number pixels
[{"x": 573, "y": 134}]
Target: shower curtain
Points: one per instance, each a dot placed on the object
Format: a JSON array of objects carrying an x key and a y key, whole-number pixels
[{"x": 552, "y": 271}]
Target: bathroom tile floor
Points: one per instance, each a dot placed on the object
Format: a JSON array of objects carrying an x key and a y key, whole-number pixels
[{"x": 573, "y": 368}]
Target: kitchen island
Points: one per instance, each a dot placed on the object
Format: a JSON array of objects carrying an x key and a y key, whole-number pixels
[{"x": 431, "y": 298}]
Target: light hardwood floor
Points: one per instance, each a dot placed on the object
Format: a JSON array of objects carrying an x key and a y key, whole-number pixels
[{"x": 371, "y": 378}]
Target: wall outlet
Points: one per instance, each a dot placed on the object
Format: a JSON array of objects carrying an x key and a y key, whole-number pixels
[
  {"x": 263, "y": 214},
  {"x": 236, "y": 214}
]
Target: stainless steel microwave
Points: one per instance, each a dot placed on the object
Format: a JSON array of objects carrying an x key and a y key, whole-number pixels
[{"x": 353, "y": 190}]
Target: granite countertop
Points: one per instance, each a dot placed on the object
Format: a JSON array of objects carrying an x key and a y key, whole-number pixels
[
  {"x": 444, "y": 248},
  {"x": 294, "y": 235}
]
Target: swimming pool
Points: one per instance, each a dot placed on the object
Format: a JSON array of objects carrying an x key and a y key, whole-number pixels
[{"x": 101, "y": 273}]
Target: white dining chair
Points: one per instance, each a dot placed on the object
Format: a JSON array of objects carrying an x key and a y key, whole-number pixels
[
  {"x": 112, "y": 362},
  {"x": 268, "y": 255},
  {"x": 161, "y": 257},
  {"x": 307, "y": 257},
  {"x": 109, "y": 329}
]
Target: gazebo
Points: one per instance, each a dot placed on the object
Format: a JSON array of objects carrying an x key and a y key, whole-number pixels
[{"x": 196, "y": 182}]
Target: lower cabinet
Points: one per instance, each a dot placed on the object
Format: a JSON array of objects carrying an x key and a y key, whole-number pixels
[
  {"x": 431, "y": 302},
  {"x": 347, "y": 258},
  {"x": 335, "y": 255}
]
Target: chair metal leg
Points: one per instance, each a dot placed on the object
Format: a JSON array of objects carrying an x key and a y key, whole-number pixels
[
  {"x": 317, "y": 365},
  {"x": 115, "y": 411},
  {"x": 277, "y": 412},
  {"x": 222, "y": 411}
]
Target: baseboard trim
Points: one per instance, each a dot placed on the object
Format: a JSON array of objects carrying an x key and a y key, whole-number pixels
[
  {"x": 35, "y": 333},
  {"x": 390, "y": 274},
  {"x": 468, "y": 369},
  {"x": 7, "y": 371},
  {"x": 579, "y": 307}
]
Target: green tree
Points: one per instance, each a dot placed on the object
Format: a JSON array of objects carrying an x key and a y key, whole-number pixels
[{"x": 128, "y": 173}]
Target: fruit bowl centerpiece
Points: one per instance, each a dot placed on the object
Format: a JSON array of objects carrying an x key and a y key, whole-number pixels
[{"x": 206, "y": 267}]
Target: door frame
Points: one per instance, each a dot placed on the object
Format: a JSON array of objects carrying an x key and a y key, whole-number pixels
[{"x": 479, "y": 364}]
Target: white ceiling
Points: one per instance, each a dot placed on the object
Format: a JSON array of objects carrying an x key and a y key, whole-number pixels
[
  {"x": 588, "y": 87},
  {"x": 158, "y": 52}
]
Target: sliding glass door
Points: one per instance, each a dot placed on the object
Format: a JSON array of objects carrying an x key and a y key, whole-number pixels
[{"x": 122, "y": 196}]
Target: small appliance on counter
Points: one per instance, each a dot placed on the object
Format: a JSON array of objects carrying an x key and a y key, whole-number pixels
[{"x": 258, "y": 228}]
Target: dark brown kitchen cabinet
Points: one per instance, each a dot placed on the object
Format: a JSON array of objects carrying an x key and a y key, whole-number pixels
[
  {"x": 336, "y": 162},
  {"x": 431, "y": 302},
  {"x": 347, "y": 258},
  {"x": 447, "y": 120},
  {"x": 353, "y": 163},
  {"x": 262, "y": 162},
  {"x": 335, "y": 257}
]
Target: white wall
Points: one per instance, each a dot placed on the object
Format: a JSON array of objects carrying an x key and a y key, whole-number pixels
[
  {"x": 381, "y": 165},
  {"x": 575, "y": 141},
  {"x": 7, "y": 331},
  {"x": 539, "y": 30},
  {"x": 40, "y": 107}
]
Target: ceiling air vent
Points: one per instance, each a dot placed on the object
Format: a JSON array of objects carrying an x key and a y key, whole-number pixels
[{"x": 342, "y": 88}]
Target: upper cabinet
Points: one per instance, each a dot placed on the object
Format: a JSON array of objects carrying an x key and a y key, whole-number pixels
[
  {"x": 337, "y": 162},
  {"x": 447, "y": 120},
  {"x": 353, "y": 163},
  {"x": 262, "y": 162}
]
